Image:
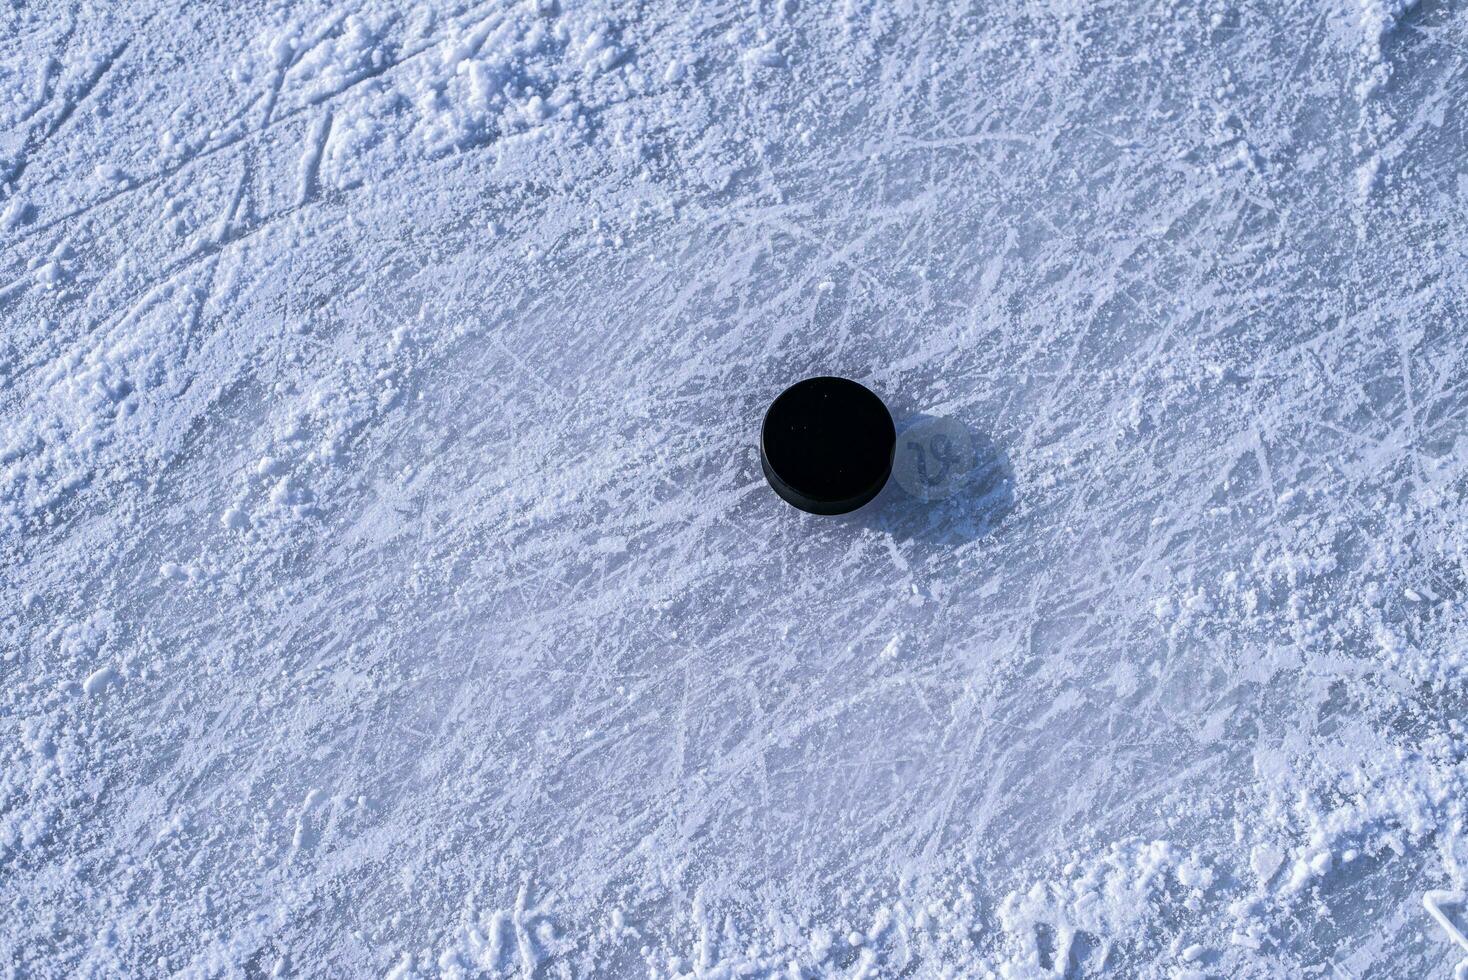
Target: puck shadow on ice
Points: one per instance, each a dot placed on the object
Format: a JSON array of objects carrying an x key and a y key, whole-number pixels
[{"x": 950, "y": 484}]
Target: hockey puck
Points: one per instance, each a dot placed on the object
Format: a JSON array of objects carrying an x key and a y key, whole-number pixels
[{"x": 826, "y": 445}]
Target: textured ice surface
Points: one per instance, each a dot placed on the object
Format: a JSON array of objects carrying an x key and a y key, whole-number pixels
[{"x": 388, "y": 584}]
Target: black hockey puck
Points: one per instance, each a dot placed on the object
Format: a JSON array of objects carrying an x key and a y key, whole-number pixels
[{"x": 826, "y": 445}]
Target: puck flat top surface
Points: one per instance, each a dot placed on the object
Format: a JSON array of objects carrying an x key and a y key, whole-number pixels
[{"x": 826, "y": 445}]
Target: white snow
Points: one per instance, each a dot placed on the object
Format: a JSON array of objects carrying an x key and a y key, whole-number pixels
[
  {"x": 388, "y": 585},
  {"x": 100, "y": 680}
]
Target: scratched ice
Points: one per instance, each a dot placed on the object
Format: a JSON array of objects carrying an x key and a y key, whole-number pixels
[{"x": 387, "y": 581}]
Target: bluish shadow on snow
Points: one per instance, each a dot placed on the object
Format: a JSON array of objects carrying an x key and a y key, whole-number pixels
[{"x": 925, "y": 501}]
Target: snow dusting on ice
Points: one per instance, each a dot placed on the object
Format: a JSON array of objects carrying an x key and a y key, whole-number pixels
[{"x": 389, "y": 587}]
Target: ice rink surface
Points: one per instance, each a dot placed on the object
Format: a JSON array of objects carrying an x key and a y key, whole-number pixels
[{"x": 388, "y": 586}]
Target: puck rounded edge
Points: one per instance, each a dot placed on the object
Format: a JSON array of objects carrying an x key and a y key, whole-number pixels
[{"x": 880, "y": 442}]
